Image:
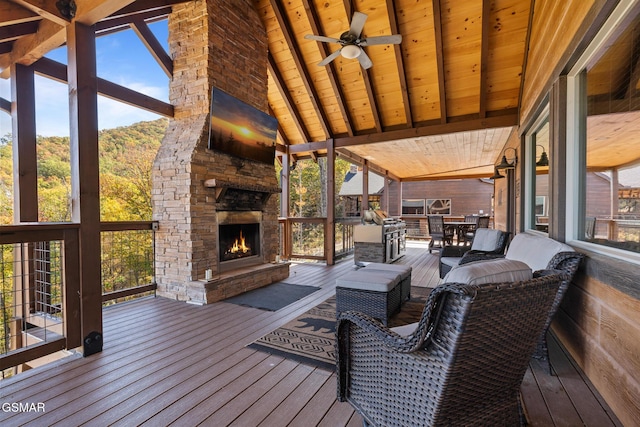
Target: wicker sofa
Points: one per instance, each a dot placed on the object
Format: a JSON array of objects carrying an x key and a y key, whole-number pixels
[
  {"x": 462, "y": 364},
  {"x": 540, "y": 253}
]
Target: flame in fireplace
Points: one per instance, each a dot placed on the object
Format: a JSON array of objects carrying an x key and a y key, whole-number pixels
[{"x": 239, "y": 246}]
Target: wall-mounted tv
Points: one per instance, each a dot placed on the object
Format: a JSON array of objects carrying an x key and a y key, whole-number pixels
[{"x": 238, "y": 129}]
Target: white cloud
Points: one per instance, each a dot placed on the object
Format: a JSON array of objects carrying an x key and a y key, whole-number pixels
[{"x": 52, "y": 107}]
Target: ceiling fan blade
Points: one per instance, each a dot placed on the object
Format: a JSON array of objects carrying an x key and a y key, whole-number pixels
[
  {"x": 329, "y": 58},
  {"x": 321, "y": 38},
  {"x": 357, "y": 23},
  {"x": 364, "y": 60},
  {"x": 371, "y": 41}
]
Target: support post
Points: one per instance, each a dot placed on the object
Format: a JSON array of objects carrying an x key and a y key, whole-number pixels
[
  {"x": 330, "y": 237},
  {"x": 365, "y": 188},
  {"x": 25, "y": 186},
  {"x": 85, "y": 181},
  {"x": 25, "y": 161}
]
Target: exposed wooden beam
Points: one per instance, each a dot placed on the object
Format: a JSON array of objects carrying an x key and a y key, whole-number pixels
[
  {"x": 484, "y": 56},
  {"x": 357, "y": 160},
  {"x": 57, "y": 71},
  {"x": 373, "y": 103},
  {"x": 5, "y": 105},
  {"x": 91, "y": 12},
  {"x": 437, "y": 27},
  {"x": 406, "y": 102},
  {"x": 299, "y": 63},
  {"x": 123, "y": 22},
  {"x": 436, "y": 129},
  {"x": 136, "y": 99},
  {"x": 50, "y": 35},
  {"x": 316, "y": 28},
  {"x": 151, "y": 42},
  {"x": 46, "y": 9},
  {"x": 304, "y": 148},
  {"x": 138, "y": 6},
  {"x": 13, "y": 13},
  {"x": 6, "y": 47},
  {"x": 12, "y": 32},
  {"x": 29, "y": 49},
  {"x": 272, "y": 68}
]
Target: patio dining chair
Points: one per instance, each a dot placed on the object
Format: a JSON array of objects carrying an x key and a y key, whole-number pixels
[
  {"x": 463, "y": 364},
  {"x": 438, "y": 232},
  {"x": 469, "y": 233}
]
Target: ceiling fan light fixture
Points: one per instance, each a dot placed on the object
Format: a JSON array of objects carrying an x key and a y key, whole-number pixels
[{"x": 351, "y": 51}]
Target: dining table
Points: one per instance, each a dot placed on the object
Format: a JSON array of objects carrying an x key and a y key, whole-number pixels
[{"x": 460, "y": 227}]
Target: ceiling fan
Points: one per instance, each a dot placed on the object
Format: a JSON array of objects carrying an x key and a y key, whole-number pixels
[{"x": 352, "y": 42}]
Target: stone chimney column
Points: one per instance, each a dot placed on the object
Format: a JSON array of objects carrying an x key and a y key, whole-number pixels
[{"x": 214, "y": 43}]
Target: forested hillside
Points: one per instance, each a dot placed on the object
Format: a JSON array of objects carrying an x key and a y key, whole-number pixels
[{"x": 126, "y": 157}]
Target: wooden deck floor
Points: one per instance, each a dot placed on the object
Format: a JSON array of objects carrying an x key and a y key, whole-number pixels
[{"x": 170, "y": 363}]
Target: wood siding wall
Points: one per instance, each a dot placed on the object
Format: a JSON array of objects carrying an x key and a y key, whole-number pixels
[
  {"x": 600, "y": 326},
  {"x": 554, "y": 25},
  {"x": 467, "y": 196}
]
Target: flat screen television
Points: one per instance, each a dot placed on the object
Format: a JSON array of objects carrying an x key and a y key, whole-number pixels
[{"x": 240, "y": 130}]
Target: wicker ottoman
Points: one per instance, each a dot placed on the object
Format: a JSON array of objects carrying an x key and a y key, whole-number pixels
[
  {"x": 403, "y": 270},
  {"x": 371, "y": 293}
]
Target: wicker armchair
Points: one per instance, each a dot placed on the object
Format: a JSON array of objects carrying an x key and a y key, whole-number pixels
[
  {"x": 463, "y": 365},
  {"x": 566, "y": 262}
]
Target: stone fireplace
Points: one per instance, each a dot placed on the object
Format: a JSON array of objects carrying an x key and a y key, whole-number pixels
[{"x": 200, "y": 196}]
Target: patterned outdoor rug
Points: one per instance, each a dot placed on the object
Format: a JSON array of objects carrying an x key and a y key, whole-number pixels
[{"x": 310, "y": 338}]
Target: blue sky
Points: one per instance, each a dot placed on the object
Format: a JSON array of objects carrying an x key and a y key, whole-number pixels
[{"x": 121, "y": 58}]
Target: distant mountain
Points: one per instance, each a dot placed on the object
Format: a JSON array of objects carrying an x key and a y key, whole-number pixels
[{"x": 126, "y": 158}]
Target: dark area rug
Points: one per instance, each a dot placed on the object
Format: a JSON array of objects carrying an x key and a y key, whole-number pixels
[
  {"x": 310, "y": 338},
  {"x": 273, "y": 297}
]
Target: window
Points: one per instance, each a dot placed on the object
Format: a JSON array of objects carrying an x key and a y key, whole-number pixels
[
  {"x": 603, "y": 141},
  {"x": 412, "y": 206},
  {"x": 537, "y": 172},
  {"x": 438, "y": 206}
]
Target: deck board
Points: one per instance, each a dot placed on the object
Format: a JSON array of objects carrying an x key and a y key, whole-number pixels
[{"x": 167, "y": 362}]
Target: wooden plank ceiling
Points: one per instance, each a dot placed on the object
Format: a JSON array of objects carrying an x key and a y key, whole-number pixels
[{"x": 439, "y": 105}]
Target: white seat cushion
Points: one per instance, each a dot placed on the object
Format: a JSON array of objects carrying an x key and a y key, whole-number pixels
[
  {"x": 494, "y": 271},
  {"x": 534, "y": 250},
  {"x": 486, "y": 239},
  {"x": 451, "y": 261},
  {"x": 404, "y": 270},
  {"x": 368, "y": 281}
]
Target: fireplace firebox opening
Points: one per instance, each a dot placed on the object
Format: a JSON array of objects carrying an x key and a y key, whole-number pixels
[{"x": 239, "y": 241}]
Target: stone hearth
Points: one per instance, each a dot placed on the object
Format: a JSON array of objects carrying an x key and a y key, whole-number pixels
[{"x": 192, "y": 183}]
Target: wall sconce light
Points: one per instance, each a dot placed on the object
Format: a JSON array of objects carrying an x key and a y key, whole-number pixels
[
  {"x": 508, "y": 164},
  {"x": 544, "y": 159},
  {"x": 496, "y": 174}
]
